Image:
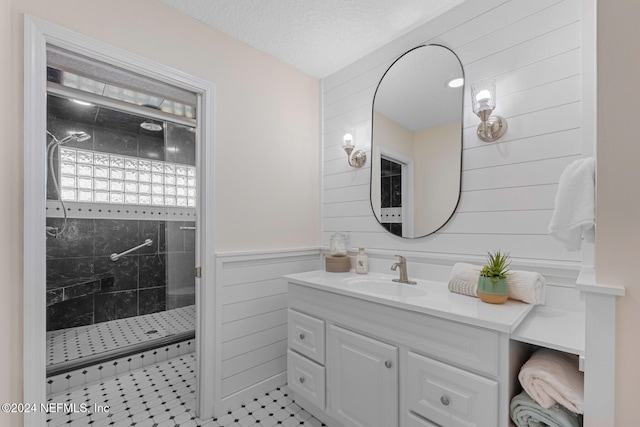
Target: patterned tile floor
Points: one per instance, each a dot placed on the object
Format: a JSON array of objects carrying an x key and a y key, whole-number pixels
[
  {"x": 163, "y": 395},
  {"x": 74, "y": 343}
]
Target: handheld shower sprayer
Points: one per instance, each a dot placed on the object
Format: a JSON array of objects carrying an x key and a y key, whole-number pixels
[
  {"x": 75, "y": 136},
  {"x": 51, "y": 148}
]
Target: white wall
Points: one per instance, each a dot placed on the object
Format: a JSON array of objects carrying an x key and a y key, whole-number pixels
[
  {"x": 11, "y": 215},
  {"x": 532, "y": 49},
  {"x": 618, "y": 232},
  {"x": 266, "y": 132},
  {"x": 436, "y": 176}
]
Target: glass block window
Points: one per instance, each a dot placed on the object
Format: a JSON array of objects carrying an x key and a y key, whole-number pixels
[{"x": 91, "y": 176}]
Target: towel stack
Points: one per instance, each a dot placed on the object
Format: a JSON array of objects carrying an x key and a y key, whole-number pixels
[
  {"x": 524, "y": 286},
  {"x": 553, "y": 391}
]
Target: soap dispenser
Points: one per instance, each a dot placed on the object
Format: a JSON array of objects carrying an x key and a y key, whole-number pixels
[{"x": 362, "y": 262}]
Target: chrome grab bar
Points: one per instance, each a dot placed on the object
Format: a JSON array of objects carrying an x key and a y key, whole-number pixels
[
  {"x": 114, "y": 256},
  {"x": 187, "y": 228}
]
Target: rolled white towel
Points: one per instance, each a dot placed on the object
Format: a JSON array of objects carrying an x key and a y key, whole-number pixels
[
  {"x": 526, "y": 286},
  {"x": 464, "y": 279},
  {"x": 551, "y": 377}
]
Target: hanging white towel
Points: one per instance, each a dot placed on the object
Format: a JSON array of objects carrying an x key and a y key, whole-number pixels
[{"x": 574, "y": 213}]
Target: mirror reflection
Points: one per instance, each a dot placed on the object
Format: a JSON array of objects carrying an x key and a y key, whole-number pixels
[{"x": 417, "y": 142}]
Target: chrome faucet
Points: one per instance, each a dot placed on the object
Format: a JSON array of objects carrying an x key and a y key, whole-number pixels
[{"x": 402, "y": 263}]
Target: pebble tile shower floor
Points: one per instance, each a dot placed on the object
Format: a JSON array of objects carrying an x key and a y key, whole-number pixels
[
  {"x": 75, "y": 343},
  {"x": 163, "y": 395}
]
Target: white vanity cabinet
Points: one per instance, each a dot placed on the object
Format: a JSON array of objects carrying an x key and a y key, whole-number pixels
[
  {"x": 363, "y": 379},
  {"x": 357, "y": 361}
]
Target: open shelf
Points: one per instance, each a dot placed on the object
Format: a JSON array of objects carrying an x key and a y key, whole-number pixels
[{"x": 553, "y": 328}]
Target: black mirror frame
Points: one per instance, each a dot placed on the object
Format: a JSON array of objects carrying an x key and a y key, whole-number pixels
[{"x": 455, "y": 208}]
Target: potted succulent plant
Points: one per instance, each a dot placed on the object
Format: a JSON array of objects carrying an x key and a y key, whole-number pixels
[{"x": 492, "y": 284}]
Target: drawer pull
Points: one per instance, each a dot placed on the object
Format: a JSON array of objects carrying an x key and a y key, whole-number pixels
[
  {"x": 301, "y": 336},
  {"x": 444, "y": 400},
  {"x": 388, "y": 364},
  {"x": 301, "y": 380}
]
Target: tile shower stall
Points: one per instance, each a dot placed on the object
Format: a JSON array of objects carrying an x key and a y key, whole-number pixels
[
  {"x": 85, "y": 287},
  {"x": 121, "y": 186}
]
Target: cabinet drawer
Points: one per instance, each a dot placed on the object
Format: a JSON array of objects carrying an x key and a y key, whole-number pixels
[
  {"x": 450, "y": 396},
  {"x": 415, "y": 421},
  {"x": 306, "y": 378},
  {"x": 306, "y": 335}
]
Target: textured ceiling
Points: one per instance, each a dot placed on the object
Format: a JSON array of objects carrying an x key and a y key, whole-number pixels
[{"x": 318, "y": 37}]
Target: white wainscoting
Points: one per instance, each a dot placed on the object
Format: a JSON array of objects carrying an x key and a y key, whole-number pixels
[
  {"x": 532, "y": 49},
  {"x": 252, "y": 317}
]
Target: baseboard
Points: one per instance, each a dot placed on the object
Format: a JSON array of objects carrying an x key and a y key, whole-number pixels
[
  {"x": 236, "y": 400},
  {"x": 318, "y": 413}
]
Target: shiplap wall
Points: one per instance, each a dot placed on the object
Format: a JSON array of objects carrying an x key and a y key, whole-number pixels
[
  {"x": 252, "y": 315},
  {"x": 532, "y": 49}
]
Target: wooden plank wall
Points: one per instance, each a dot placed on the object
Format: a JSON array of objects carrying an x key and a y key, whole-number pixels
[
  {"x": 532, "y": 49},
  {"x": 252, "y": 307}
]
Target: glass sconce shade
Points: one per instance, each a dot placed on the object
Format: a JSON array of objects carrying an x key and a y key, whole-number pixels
[
  {"x": 483, "y": 102},
  {"x": 356, "y": 159},
  {"x": 347, "y": 141},
  {"x": 483, "y": 96}
]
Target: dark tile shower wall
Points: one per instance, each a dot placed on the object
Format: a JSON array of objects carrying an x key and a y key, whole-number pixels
[
  {"x": 85, "y": 287},
  {"x": 391, "y": 190}
]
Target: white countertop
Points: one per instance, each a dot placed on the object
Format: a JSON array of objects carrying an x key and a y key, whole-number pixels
[{"x": 432, "y": 298}]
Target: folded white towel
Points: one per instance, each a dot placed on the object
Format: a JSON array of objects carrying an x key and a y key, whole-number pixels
[
  {"x": 551, "y": 376},
  {"x": 525, "y": 412},
  {"x": 574, "y": 212},
  {"x": 524, "y": 286}
]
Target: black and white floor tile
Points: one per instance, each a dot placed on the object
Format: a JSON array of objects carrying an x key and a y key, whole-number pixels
[
  {"x": 163, "y": 395},
  {"x": 101, "y": 372}
]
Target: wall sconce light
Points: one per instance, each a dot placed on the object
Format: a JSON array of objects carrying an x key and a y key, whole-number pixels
[
  {"x": 358, "y": 158},
  {"x": 483, "y": 100}
]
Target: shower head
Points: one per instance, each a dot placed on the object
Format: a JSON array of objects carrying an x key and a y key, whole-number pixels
[
  {"x": 76, "y": 136},
  {"x": 51, "y": 148}
]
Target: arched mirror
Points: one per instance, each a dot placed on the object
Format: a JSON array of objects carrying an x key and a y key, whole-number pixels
[{"x": 417, "y": 142}]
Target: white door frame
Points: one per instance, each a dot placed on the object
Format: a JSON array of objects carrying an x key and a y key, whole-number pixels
[
  {"x": 407, "y": 187},
  {"x": 37, "y": 34}
]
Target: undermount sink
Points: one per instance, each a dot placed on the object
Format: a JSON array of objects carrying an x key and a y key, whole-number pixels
[{"x": 385, "y": 287}]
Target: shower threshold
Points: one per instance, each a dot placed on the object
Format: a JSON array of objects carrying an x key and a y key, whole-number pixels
[{"x": 79, "y": 347}]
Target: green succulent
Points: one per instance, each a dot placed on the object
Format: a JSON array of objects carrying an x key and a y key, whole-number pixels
[{"x": 497, "y": 266}]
